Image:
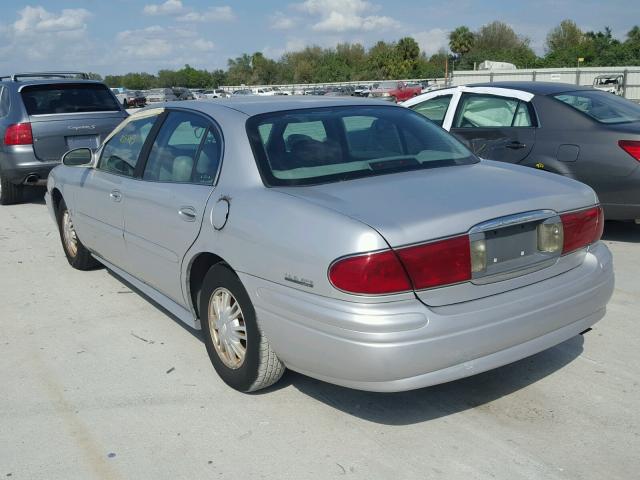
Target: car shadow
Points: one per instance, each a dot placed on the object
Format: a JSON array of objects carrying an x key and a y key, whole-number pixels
[
  {"x": 417, "y": 406},
  {"x": 627, "y": 232},
  {"x": 34, "y": 195}
]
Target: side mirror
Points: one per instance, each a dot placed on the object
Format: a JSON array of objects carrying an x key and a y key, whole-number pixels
[{"x": 78, "y": 157}]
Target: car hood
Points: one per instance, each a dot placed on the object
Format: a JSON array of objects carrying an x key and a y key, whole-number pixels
[{"x": 417, "y": 206}]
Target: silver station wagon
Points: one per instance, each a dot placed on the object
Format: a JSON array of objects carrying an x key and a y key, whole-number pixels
[{"x": 351, "y": 240}]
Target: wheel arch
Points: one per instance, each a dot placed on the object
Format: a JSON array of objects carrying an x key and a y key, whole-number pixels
[
  {"x": 56, "y": 198},
  {"x": 199, "y": 265}
]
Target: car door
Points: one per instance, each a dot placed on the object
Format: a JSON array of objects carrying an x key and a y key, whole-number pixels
[
  {"x": 165, "y": 206},
  {"x": 100, "y": 195},
  {"x": 495, "y": 127}
]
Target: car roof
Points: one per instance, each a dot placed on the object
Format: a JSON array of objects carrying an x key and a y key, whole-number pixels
[
  {"x": 255, "y": 105},
  {"x": 536, "y": 88},
  {"x": 48, "y": 81}
]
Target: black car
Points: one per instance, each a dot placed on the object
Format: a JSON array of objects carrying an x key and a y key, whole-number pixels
[{"x": 579, "y": 132}]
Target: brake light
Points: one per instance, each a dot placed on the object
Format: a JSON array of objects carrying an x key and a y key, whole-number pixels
[
  {"x": 632, "y": 147},
  {"x": 371, "y": 274},
  {"x": 582, "y": 228},
  {"x": 418, "y": 267},
  {"x": 18, "y": 134},
  {"x": 438, "y": 263}
]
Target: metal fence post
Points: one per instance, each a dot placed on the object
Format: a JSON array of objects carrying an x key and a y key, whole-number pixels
[
  {"x": 577, "y": 76},
  {"x": 491, "y": 77},
  {"x": 625, "y": 74},
  {"x": 534, "y": 75}
]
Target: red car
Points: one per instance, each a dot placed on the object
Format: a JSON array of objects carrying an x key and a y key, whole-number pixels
[{"x": 395, "y": 91}]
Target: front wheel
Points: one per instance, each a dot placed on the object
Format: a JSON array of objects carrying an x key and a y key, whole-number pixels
[
  {"x": 237, "y": 347},
  {"x": 77, "y": 254}
]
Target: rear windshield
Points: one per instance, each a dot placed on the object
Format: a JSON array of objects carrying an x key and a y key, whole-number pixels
[
  {"x": 68, "y": 98},
  {"x": 603, "y": 107},
  {"x": 306, "y": 147}
]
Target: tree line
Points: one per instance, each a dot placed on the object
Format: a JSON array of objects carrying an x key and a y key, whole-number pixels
[{"x": 497, "y": 41}]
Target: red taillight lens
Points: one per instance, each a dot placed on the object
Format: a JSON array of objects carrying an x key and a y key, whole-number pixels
[
  {"x": 375, "y": 273},
  {"x": 438, "y": 263},
  {"x": 18, "y": 134},
  {"x": 582, "y": 228},
  {"x": 429, "y": 265},
  {"x": 632, "y": 147}
]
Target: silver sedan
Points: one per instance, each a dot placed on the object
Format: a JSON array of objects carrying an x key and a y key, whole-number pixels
[{"x": 347, "y": 239}]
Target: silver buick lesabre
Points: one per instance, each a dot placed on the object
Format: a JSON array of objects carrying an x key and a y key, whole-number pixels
[{"x": 347, "y": 239}]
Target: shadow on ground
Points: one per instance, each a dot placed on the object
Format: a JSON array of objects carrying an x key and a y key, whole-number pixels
[{"x": 622, "y": 232}]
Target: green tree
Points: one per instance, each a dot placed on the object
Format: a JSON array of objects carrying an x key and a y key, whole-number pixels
[{"x": 461, "y": 40}]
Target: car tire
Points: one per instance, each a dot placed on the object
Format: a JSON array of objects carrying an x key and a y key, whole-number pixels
[
  {"x": 237, "y": 347},
  {"x": 77, "y": 254},
  {"x": 10, "y": 193}
]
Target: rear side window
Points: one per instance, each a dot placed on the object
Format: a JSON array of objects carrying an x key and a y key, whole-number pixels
[
  {"x": 489, "y": 111},
  {"x": 311, "y": 146},
  {"x": 68, "y": 98},
  {"x": 602, "y": 106},
  {"x": 5, "y": 101},
  {"x": 121, "y": 152},
  {"x": 434, "y": 109},
  {"x": 186, "y": 150}
]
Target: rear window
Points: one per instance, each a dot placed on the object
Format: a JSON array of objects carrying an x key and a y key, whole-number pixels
[
  {"x": 68, "y": 98},
  {"x": 603, "y": 107},
  {"x": 311, "y": 146}
]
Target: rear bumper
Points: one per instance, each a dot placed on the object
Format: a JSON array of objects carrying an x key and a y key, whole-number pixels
[
  {"x": 406, "y": 345},
  {"x": 19, "y": 163}
]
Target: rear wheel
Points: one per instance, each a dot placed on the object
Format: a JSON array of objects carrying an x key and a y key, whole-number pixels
[
  {"x": 237, "y": 347},
  {"x": 9, "y": 192},
  {"x": 78, "y": 256}
]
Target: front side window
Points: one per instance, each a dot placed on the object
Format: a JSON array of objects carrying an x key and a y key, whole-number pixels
[
  {"x": 305, "y": 147},
  {"x": 187, "y": 149},
  {"x": 601, "y": 106},
  {"x": 434, "y": 109},
  {"x": 488, "y": 111},
  {"x": 121, "y": 152},
  {"x": 68, "y": 98}
]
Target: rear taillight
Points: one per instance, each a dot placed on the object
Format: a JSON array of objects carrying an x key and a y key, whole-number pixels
[
  {"x": 428, "y": 265},
  {"x": 581, "y": 228},
  {"x": 18, "y": 134},
  {"x": 371, "y": 274},
  {"x": 438, "y": 263},
  {"x": 632, "y": 147}
]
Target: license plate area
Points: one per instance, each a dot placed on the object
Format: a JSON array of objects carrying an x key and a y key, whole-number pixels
[
  {"x": 82, "y": 141},
  {"x": 511, "y": 246}
]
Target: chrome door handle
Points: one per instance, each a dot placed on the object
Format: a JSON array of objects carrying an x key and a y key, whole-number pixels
[
  {"x": 115, "y": 195},
  {"x": 188, "y": 214}
]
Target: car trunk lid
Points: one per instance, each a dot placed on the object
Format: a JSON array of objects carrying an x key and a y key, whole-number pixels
[{"x": 504, "y": 200}]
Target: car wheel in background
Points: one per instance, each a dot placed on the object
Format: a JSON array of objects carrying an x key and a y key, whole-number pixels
[
  {"x": 238, "y": 349},
  {"x": 9, "y": 192},
  {"x": 78, "y": 256}
]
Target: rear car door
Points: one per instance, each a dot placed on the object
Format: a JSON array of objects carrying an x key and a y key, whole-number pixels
[
  {"x": 65, "y": 116},
  {"x": 165, "y": 207},
  {"x": 100, "y": 197},
  {"x": 495, "y": 127}
]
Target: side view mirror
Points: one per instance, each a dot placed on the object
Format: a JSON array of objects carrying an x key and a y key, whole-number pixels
[{"x": 77, "y": 157}]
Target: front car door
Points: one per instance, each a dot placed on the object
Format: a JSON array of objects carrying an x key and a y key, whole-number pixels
[
  {"x": 495, "y": 127},
  {"x": 100, "y": 196},
  {"x": 165, "y": 207},
  {"x": 434, "y": 108}
]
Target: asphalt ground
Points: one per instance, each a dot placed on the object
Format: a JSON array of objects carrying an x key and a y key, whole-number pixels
[{"x": 96, "y": 382}]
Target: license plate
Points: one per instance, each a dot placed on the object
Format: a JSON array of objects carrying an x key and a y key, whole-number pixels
[{"x": 82, "y": 141}]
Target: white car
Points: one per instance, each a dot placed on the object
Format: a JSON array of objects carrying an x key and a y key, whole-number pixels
[
  {"x": 264, "y": 91},
  {"x": 214, "y": 93}
]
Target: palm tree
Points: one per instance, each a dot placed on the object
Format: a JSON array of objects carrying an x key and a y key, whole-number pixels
[{"x": 461, "y": 40}]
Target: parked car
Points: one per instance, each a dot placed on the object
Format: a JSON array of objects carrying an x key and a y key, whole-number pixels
[
  {"x": 362, "y": 90},
  {"x": 578, "y": 132},
  {"x": 394, "y": 91},
  {"x": 610, "y": 83},
  {"x": 243, "y": 92},
  {"x": 156, "y": 95},
  {"x": 182, "y": 93},
  {"x": 129, "y": 98},
  {"x": 347, "y": 239},
  {"x": 340, "y": 91},
  {"x": 42, "y": 115},
  {"x": 215, "y": 93}
]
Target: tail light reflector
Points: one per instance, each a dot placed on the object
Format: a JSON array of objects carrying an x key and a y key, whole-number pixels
[
  {"x": 582, "y": 228},
  {"x": 18, "y": 134},
  {"x": 632, "y": 147}
]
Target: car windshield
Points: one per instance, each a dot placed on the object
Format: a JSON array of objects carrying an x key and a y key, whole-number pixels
[
  {"x": 602, "y": 106},
  {"x": 311, "y": 146},
  {"x": 68, "y": 98}
]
